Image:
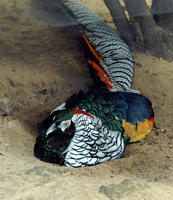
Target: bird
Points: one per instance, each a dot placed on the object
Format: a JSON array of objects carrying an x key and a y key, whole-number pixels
[{"x": 93, "y": 127}]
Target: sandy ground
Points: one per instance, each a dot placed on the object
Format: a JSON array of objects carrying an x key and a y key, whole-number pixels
[{"x": 42, "y": 64}]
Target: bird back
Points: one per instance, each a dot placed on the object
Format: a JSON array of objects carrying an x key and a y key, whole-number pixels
[{"x": 130, "y": 111}]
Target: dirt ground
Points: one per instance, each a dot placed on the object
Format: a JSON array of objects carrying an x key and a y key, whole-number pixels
[{"x": 41, "y": 64}]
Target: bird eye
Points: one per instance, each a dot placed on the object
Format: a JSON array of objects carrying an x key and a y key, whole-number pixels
[{"x": 66, "y": 123}]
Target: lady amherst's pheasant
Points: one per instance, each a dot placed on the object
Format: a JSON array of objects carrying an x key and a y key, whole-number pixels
[{"x": 95, "y": 127}]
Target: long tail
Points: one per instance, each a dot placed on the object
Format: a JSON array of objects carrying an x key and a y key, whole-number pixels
[{"x": 114, "y": 62}]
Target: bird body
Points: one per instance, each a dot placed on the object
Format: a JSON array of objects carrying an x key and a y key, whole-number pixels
[{"x": 96, "y": 125}]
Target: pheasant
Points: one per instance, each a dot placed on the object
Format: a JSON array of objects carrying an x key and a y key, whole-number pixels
[
  {"x": 92, "y": 128},
  {"x": 88, "y": 129}
]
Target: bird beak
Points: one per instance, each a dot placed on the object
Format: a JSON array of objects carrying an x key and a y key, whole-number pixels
[{"x": 51, "y": 129}]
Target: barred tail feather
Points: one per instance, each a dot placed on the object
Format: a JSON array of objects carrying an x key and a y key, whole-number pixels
[{"x": 115, "y": 56}]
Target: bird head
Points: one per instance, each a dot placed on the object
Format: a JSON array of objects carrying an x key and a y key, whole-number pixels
[
  {"x": 61, "y": 121},
  {"x": 55, "y": 135},
  {"x": 58, "y": 120}
]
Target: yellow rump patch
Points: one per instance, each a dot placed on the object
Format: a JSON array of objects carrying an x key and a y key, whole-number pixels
[{"x": 143, "y": 129}]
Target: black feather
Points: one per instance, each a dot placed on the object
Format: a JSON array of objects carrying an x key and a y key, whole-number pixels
[{"x": 50, "y": 149}]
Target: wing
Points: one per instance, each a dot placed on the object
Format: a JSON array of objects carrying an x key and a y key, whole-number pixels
[
  {"x": 129, "y": 110},
  {"x": 114, "y": 62},
  {"x": 92, "y": 143}
]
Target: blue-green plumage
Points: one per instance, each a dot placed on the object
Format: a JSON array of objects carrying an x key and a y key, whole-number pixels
[{"x": 125, "y": 105}]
